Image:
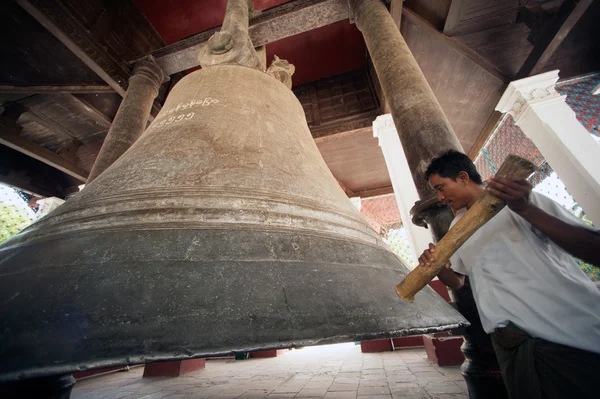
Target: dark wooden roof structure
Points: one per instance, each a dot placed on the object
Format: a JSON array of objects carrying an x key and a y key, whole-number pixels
[{"x": 65, "y": 66}]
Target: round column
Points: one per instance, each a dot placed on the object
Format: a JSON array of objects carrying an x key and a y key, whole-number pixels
[
  {"x": 424, "y": 129},
  {"x": 132, "y": 116},
  {"x": 419, "y": 119}
]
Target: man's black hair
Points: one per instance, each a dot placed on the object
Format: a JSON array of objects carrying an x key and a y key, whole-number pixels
[{"x": 450, "y": 164}]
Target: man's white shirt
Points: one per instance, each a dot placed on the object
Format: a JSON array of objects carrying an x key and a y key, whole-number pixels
[{"x": 519, "y": 275}]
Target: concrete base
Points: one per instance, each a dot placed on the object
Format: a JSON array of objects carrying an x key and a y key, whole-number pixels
[
  {"x": 271, "y": 353},
  {"x": 444, "y": 349},
  {"x": 173, "y": 369}
]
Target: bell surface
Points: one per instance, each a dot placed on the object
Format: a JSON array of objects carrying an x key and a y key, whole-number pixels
[{"x": 221, "y": 230}]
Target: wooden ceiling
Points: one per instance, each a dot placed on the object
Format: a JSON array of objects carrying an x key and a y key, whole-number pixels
[{"x": 66, "y": 65}]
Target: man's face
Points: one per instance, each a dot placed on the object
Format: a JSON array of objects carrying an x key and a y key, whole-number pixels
[{"x": 453, "y": 193}]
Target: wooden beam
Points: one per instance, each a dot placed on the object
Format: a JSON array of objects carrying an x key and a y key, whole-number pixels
[
  {"x": 26, "y": 186},
  {"x": 556, "y": 30},
  {"x": 454, "y": 15},
  {"x": 9, "y": 138},
  {"x": 485, "y": 134},
  {"x": 87, "y": 89},
  {"x": 462, "y": 20},
  {"x": 343, "y": 131},
  {"x": 396, "y": 11},
  {"x": 348, "y": 192},
  {"x": 59, "y": 21},
  {"x": 374, "y": 192},
  {"x": 273, "y": 24},
  {"x": 456, "y": 46}
]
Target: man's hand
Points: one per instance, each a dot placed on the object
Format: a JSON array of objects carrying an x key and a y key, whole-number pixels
[
  {"x": 514, "y": 190},
  {"x": 447, "y": 275},
  {"x": 428, "y": 256}
]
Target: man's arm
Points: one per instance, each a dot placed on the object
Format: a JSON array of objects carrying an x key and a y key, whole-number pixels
[
  {"x": 447, "y": 276},
  {"x": 578, "y": 241}
]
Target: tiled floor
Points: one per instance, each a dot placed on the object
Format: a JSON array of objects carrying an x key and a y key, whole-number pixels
[{"x": 331, "y": 372}]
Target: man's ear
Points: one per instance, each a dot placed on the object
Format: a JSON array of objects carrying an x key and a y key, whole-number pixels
[{"x": 463, "y": 177}]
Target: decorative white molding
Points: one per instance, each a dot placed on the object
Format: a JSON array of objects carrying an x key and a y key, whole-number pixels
[
  {"x": 381, "y": 124},
  {"x": 547, "y": 120},
  {"x": 521, "y": 94}
]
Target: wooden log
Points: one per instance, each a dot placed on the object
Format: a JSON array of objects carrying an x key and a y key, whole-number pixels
[{"x": 486, "y": 207}]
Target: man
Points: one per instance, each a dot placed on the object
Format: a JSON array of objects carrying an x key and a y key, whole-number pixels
[{"x": 542, "y": 311}]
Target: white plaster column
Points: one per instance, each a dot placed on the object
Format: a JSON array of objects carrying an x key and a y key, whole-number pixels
[
  {"x": 402, "y": 181},
  {"x": 544, "y": 116}
]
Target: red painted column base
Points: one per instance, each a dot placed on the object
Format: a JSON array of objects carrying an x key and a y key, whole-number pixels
[
  {"x": 271, "y": 353},
  {"x": 376, "y": 345},
  {"x": 385, "y": 345},
  {"x": 408, "y": 342},
  {"x": 174, "y": 368},
  {"x": 444, "y": 349},
  {"x": 90, "y": 373}
]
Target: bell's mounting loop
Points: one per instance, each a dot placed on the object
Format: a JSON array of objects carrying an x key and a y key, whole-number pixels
[{"x": 232, "y": 45}]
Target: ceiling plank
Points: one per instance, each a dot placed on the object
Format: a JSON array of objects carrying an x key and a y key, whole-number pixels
[
  {"x": 456, "y": 46},
  {"x": 86, "y": 89},
  {"x": 56, "y": 19},
  {"x": 9, "y": 138},
  {"x": 89, "y": 110},
  {"x": 273, "y": 24},
  {"x": 553, "y": 35}
]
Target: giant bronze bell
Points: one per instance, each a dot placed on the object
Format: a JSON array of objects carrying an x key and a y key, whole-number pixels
[{"x": 220, "y": 230}]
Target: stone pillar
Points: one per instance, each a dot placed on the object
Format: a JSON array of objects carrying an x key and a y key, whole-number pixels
[
  {"x": 132, "y": 116},
  {"x": 424, "y": 129},
  {"x": 544, "y": 116},
  {"x": 401, "y": 177}
]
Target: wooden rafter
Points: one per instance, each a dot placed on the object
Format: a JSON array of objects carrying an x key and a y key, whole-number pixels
[
  {"x": 273, "y": 24},
  {"x": 43, "y": 120},
  {"x": 348, "y": 192},
  {"x": 485, "y": 134},
  {"x": 396, "y": 11},
  {"x": 456, "y": 46},
  {"x": 54, "y": 17},
  {"x": 374, "y": 192},
  {"x": 26, "y": 186},
  {"x": 10, "y": 138},
  {"x": 91, "y": 89},
  {"x": 553, "y": 35}
]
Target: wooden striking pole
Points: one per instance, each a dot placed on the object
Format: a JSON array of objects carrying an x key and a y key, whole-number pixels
[{"x": 486, "y": 207}]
